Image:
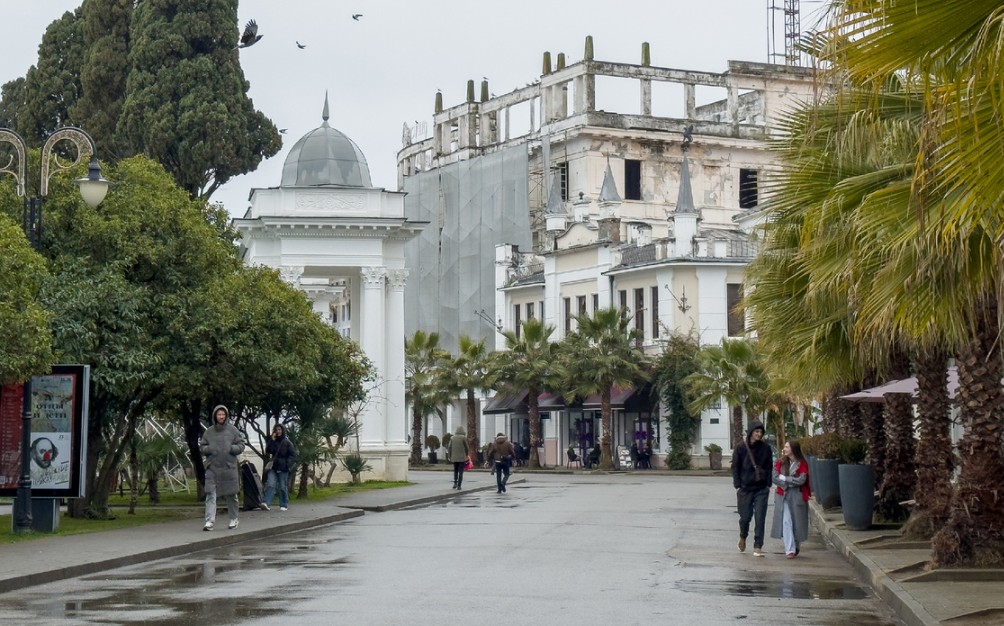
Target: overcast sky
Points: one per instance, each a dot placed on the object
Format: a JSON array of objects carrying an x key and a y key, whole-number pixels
[{"x": 383, "y": 70}]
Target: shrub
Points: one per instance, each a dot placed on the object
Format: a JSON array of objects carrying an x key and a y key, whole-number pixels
[
  {"x": 355, "y": 465},
  {"x": 432, "y": 442},
  {"x": 852, "y": 451},
  {"x": 712, "y": 448},
  {"x": 446, "y": 440}
]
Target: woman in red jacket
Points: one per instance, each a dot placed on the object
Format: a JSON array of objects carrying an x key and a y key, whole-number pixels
[{"x": 791, "y": 499}]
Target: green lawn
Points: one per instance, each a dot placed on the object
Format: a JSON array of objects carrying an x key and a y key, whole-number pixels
[{"x": 173, "y": 506}]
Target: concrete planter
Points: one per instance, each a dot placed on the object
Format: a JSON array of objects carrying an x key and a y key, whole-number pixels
[
  {"x": 857, "y": 495},
  {"x": 826, "y": 483}
]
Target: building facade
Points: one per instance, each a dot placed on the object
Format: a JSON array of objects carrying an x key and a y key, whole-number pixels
[{"x": 650, "y": 209}]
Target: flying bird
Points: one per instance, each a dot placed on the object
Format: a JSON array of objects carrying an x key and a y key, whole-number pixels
[
  {"x": 250, "y": 36},
  {"x": 301, "y": 46},
  {"x": 283, "y": 130},
  {"x": 356, "y": 16}
]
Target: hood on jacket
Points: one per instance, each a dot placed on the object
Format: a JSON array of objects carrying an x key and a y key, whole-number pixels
[
  {"x": 460, "y": 431},
  {"x": 212, "y": 416},
  {"x": 754, "y": 425},
  {"x": 500, "y": 438}
]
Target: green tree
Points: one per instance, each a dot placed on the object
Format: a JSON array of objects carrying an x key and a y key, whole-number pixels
[
  {"x": 598, "y": 355},
  {"x": 426, "y": 385},
  {"x": 469, "y": 372},
  {"x": 103, "y": 72},
  {"x": 729, "y": 371},
  {"x": 677, "y": 361},
  {"x": 186, "y": 97},
  {"x": 11, "y": 101},
  {"x": 25, "y": 336},
  {"x": 528, "y": 362}
]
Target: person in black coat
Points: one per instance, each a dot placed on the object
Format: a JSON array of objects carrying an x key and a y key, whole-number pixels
[
  {"x": 752, "y": 464},
  {"x": 282, "y": 454}
]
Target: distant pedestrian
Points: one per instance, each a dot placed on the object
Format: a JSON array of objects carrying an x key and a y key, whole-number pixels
[
  {"x": 752, "y": 463},
  {"x": 460, "y": 455},
  {"x": 791, "y": 500},
  {"x": 501, "y": 455},
  {"x": 281, "y": 454},
  {"x": 220, "y": 445}
]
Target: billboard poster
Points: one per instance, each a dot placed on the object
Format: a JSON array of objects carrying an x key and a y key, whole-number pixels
[{"x": 58, "y": 433}]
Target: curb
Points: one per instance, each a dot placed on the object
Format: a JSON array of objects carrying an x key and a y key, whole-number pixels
[{"x": 892, "y": 593}]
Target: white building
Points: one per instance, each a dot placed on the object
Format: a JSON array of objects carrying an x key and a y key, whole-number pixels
[
  {"x": 340, "y": 240},
  {"x": 547, "y": 206}
]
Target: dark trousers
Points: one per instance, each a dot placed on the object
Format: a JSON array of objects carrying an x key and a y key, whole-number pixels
[
  {"x": 458, "y": 472},
  {"x": 501, "y": 468},
  {"x": 753, "y": 505}
]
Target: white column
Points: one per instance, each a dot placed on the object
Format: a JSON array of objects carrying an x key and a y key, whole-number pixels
[
  {"x": 371, "y": 313},
  {"x": 397, "y": 411}
]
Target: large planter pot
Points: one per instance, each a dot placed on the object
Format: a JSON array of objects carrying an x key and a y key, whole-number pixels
[
  {"x": 857, "y": 495},
  {"x": 715, "y": 459},
  {"x": 826, "y": 483}
]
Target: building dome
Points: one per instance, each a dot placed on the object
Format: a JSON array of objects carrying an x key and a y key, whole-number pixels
[{"x": 325, "y": 156}]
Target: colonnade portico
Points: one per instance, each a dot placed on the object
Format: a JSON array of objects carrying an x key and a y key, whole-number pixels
[{"x": 341, "y": 241}]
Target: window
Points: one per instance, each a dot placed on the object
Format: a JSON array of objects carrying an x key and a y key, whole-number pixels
[
  {"x": 541, "y": 310},
  {"x": 596, "y": 302},
  {"x": 529, "y": 310},
  {"x": 580, "y": 301},
  {"x": 737, "y": 319},
  {"x": 562, "y": 174},
  {"x": 655, "y": 312},
  {"x": 632, "y": 179},
  {"x": 747, "y": 188},
  {"x": 517, "y": 323},
  {"x": 622, "y": 295},
  {"x": 568, "y": 315},
  {"x": 639, "y": 312}
]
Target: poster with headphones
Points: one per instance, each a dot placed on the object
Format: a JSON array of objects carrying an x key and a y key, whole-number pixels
[{"x": 58, "y": 435}]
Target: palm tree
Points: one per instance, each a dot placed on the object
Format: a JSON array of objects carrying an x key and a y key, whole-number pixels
[
  {"x": 468, "y": 372},
  {"x": 600, "y": 354},
  {"x": 529, "y": 362},
  {"x": 425, "y": 387},
  {"x": 729, "y": 371},
  {"x": 956, "y": 187}
]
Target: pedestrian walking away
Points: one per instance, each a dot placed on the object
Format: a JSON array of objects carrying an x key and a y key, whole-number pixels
[
  {"x": 220, "y": 446},
  {"x": 752, "y": 464},
  {"x": 459, "y": 455},
  {"x": 282, "y": 455},
  {"x": 791, "y": 499},
  {"x": 501, "y": 454}
]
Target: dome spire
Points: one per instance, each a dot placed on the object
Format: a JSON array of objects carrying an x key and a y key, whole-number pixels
[{"x": 324, "y": 114}]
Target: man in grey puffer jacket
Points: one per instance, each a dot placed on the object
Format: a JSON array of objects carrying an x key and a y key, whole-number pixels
[{"x": 220, "y": 445}]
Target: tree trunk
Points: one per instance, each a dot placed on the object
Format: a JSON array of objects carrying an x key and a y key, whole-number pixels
[
  {"x": 534, "y": 428},
  {"x": 737, "y": 426},
  {"x": 473, "y": 440},
  {"x": 973, "y": 535},
  {"x": 416, "y": 436},
  {"x": 935, "y": 461},
  {"x": 606, "y": 443},
  {"x": 873, "y": 418},
  {"x": 95, "y": 445},
  {"x": 133, "y": 477},
  {"x": 900, "y": 476}
]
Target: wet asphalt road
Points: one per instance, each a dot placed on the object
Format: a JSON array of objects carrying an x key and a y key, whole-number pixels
[{"x": 555, "y": 550}]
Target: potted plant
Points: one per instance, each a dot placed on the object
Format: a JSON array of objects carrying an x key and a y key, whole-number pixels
[
  {"x": 857, "y": 484},
  {"x": 432, "y": 443},
  {"x": 823, "y": 473},
  {"x": 714, "y": 455}
]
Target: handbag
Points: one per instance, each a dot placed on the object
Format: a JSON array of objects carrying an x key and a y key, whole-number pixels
[
  {"x": 469, "y": 464},
  {"x": 268, "y": 468}
]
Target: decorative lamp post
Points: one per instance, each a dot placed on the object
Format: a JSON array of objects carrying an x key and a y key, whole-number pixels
[{"x": 93, "y": 189}]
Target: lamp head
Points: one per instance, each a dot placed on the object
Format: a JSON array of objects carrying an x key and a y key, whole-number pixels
[{"x": 93, "y": 188}]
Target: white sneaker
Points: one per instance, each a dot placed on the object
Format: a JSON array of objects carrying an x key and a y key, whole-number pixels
[
  {"x": 264, "y": 507},
  {"x": 232, "y": 525},
  {"x": 208, "y": 526},
  {"x": 282, "y": 508}
]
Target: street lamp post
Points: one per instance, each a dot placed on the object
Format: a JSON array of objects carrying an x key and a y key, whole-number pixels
[{"x": 93, "y": 189}]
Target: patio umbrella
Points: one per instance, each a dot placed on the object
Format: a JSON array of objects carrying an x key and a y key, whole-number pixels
[{"x": 905, "y": 385}]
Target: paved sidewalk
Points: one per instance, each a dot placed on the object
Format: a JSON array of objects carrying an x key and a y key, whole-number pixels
[{"x": 893, "y": 568}]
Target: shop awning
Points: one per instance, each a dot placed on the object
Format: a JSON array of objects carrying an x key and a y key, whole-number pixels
[
  {"x": 618, "y": 398},
  {"x": 506, "y": 403}
]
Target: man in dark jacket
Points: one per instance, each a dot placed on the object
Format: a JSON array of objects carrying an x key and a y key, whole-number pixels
[
  {"x": 282, "y": 454},
  {"x": 501, "y": 453},
  {"x": 752, "y": 463}
]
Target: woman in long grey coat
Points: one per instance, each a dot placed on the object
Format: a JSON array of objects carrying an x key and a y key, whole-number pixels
[
  {"x": 791, "y": 499},
  {"x": 220, "y": 446},
  {"x": 458, "y": 454}
]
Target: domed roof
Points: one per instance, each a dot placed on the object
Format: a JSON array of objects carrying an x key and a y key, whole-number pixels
[{"x": 325, "y": 156}]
